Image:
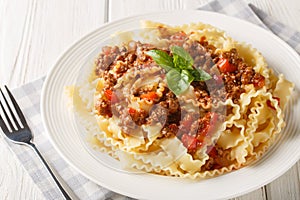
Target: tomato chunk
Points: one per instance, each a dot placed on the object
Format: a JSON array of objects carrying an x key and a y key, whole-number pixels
[
  {"x": 212, "y": 151},
  {"x": 131, "y": 111},
  {"x": 110, "y": 95},
  {"x": 202, "y": 39},
  {"x": 225, "y": 66},
  {"x": 151, "y": 96},
  {"x": 207, "y": 126},
  {"x": 190, "y": 142}
]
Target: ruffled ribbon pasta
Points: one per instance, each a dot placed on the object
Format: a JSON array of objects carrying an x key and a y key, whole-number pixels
[{"x": 250, "y": 125}]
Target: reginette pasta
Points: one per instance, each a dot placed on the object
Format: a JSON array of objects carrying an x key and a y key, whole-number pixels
[{"x": 186, "y": 101}]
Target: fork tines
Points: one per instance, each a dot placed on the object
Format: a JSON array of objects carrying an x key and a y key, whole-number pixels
[{"x": 9, "y": 114}]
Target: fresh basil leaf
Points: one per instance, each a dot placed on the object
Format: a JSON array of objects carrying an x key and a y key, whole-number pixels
[
  {"x": 187, "y": 76},
  {"x": 181, "y": 58},
  {"x": 176, "y": 82},
  {"x": 200, "y": 75},
  {"x": 181, "y": 63},
  {"x": 180, "y": 71},
  {"x": 162, "y": 59}
]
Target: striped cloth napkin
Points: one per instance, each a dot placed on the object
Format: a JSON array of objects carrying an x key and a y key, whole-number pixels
[{"x": 28, "y": 97}]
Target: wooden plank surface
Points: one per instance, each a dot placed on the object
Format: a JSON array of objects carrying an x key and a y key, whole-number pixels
[{"x": 34, "y": 33}]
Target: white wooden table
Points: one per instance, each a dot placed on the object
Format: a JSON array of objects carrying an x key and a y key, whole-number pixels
[{"x": 33, "y": 33}]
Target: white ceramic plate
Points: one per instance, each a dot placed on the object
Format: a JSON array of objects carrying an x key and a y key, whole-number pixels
[{"x": 64, "y": 135}]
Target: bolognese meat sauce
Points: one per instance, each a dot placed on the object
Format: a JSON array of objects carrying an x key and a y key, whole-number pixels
[{"x": 227, "y": 69}]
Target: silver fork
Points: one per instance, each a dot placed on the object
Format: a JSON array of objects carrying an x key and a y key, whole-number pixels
[{"x": 21, "y": 134}]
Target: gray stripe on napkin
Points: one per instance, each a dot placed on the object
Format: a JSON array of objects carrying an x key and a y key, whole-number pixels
[
  {"x": 28, "y": 97},
  {"x": 234, "y": 8},
  {"x": 286, "y": 33}
]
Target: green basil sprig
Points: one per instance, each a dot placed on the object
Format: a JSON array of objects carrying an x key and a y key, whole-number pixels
[{"x": 179, "y": 68}]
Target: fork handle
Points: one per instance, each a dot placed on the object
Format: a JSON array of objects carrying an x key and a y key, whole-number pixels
[{"x": 50, "y": 171}]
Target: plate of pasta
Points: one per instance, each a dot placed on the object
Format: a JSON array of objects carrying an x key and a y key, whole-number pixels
[{"x": 186, "y": 107}]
